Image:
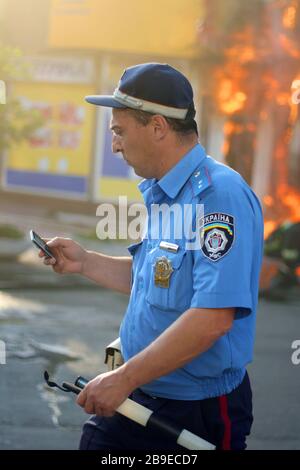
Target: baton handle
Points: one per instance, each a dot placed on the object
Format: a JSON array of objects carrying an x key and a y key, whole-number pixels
[
  {"x": 71, "y": 387},
  {"x": 142, "y": 415}
]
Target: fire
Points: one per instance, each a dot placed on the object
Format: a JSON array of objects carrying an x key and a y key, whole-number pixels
[
  {"x": 244, "y": 53},
  {"x": 229, "y": 97},
  {"x": 268, "y": 200},
  {"x": 296, "y": 84},
  {"x": 254, "y": 80},
  {"x": 289, "y": 207},
  {"x": 269, "y": 227},
  {"x": 288, "y": 46},
  {"x": 283, "y": 98},
  {"x": 228, "y": 129},
  {"x": 289, "y": 16},
  {"x": 291, "y": 199},
  {"x": 231, "y": 78}
]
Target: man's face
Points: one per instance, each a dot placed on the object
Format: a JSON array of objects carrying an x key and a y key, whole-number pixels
[{"x": 134, "y": 141}]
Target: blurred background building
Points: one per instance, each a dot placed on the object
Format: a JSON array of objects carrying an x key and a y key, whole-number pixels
[
  {"x": 241, "y": 57},
  {"x": 76, "y": 48}
]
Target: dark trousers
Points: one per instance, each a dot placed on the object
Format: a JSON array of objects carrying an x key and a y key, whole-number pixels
[{"x": 224, "y": 421}]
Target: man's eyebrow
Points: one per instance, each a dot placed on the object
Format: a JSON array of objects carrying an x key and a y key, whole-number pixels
[{"x": 112, "y": 128}]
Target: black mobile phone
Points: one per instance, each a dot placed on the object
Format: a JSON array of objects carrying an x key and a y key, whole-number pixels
[{"x": 41, "y": 244}]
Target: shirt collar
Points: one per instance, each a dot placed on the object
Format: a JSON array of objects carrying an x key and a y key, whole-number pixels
[
  {"x": 172, "y": 182},
  {"x": 145, "y": 184}
]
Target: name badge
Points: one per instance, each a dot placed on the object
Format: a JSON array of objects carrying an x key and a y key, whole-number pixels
[
  {"x": 162, "y": 272},
  {"x": 169, "y": 246}
]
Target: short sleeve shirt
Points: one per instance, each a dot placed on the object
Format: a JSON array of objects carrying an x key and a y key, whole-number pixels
[{"x": 171, "y": 274}]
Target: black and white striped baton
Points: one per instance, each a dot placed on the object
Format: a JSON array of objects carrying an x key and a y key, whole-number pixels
[{"x": 144, "y": 416}]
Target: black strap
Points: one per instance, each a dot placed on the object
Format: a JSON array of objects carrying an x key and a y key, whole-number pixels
[{"x": 54, "y": 384}]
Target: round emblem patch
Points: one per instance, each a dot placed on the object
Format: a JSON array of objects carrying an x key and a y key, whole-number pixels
[{"x": 217, "y": 234}]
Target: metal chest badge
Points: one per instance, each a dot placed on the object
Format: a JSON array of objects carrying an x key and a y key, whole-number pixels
[{"x": 162, "y": 272}]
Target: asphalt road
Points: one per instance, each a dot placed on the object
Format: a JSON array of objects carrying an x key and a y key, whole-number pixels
[{"x": 85, "y": 320}]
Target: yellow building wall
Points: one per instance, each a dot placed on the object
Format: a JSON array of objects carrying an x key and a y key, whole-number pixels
[
  {"x": 112, "y": 188},
  {"x": 62, "y": 146},
  {"x": 27, "y": 155},
  {"x": 157, "y": 27}
]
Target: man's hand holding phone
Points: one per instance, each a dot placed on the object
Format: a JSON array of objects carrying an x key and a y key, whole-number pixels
[
  {"x": 63, "y": 254},
  {"x": 41, "y": 244}
]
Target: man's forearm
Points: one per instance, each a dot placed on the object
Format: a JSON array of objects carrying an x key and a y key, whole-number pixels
[
  {"x": 109, "y": 271},
  {"x": 192, "y": 334}
]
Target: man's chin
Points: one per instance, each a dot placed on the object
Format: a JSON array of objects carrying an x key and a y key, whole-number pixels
[{"x": 138, "y": 171}]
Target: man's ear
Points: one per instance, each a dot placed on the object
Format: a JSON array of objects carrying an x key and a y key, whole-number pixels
[{"x": 160, "y": 126}]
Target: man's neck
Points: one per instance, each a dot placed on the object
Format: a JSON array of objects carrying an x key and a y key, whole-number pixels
[{"x": 173, "y": 156}]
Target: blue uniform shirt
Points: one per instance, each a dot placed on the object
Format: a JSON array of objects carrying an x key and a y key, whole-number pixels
[{"x": 222, "y": 272}]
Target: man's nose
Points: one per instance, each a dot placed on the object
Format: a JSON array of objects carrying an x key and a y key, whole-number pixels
[{"x": 115, "y": 145}]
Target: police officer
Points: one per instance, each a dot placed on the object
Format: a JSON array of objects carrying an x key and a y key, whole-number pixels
[{"x": 188, "y": 332}]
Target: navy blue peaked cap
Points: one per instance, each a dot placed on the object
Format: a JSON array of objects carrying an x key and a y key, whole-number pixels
[{"x": 152, "y": 87}]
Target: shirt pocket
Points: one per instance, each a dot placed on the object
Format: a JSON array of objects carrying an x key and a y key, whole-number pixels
[{"x": 177, "y": 296}]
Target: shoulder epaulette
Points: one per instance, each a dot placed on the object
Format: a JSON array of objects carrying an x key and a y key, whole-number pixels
[{"x": 200, "y": 180}]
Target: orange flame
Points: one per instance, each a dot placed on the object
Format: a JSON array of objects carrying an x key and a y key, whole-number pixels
[
  {"x": 289, "y": 16},
  {"x": 291, "y": 199},
  {"x": 234, "y": 95},
  {"x": 290, "y": 207},
  {"x": 269, "y": 227},
  {"x": 268, "y": 200},
  {"x": 230, "y": 99},
  {"x": 288, "y": 46}
]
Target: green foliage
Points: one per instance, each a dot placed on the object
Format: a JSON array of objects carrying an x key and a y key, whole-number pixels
[
  {"x": 16, "y": 122},
  {"x": 8, "y": 231},
  {"x": 12, "y": 64}
]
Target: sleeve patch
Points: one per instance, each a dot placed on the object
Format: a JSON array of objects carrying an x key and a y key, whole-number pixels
[{"x": 217, "y": 235}]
